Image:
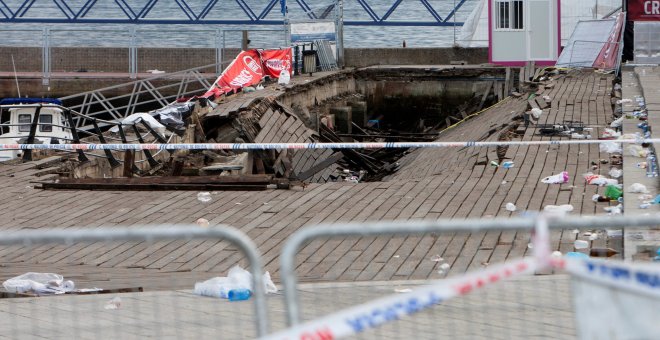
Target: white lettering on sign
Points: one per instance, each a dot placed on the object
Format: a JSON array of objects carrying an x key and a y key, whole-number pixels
[
  {"x": 652, "y": 7},
  {"x": 242, "y": 78},
  {"x": 252, "y": 64}
]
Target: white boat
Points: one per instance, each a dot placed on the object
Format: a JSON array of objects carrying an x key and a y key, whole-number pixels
[{"x": 17, "y": 116}]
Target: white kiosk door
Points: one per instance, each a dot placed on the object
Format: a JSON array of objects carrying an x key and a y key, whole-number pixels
[{"x": 541, "y": 27}]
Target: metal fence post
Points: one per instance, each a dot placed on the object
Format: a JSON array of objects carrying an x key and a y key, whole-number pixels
[
  {"x": 132, "y": 54},
  {"x": 218, "y": 53},
  {"x": 45, "y": 56}
]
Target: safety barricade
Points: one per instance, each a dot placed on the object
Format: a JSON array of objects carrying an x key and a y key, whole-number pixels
[{"x": 127, "y": 283}]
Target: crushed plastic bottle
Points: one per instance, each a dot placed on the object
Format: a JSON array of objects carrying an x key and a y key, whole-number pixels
[
  {"x": 239, "y": 294},
  {"x": 581, "y": 244},
  {"x": 508, "y": 165},
  {"x": 204, "y": 197}
]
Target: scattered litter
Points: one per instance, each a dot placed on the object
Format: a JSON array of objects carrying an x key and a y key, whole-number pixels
[
  {"x": 609, "y": 133},
  {"x": 638, "y": 151},
  {"x": 437, "y": 258},
  {"x": 237, "y": 279},
  {"x": 577, "y": 255},
  {"x": 615, "y": 173},
  {"x": 204, "y": 197},
  {"x": 645, "y": 197},
  {"x": 558, "y": 209},
  {"x": 39, "y": 283},
  {"x": 155, "y": 71},
  {"x": 445, "y": 267},
  {"x": 614, "y": 233},
  {"x": 530, "y": 245},
  {"x": 557, "y": 179},
  {"x": 260, "y": 87},
  {"x": 536, "y": 113},
  {"x": 645, "y": 205},
  {"x": 641, "y": 165},
  {"x": 623, "y": 101},
  {"x": 593, "y": 237},
  {"x": 556, "y": 254},
  {"x": 614, "y": 210},
  {"x": 575, "y": 135},
  {"x": 507, "y": 165},
  {"x": 547, "y": 98},
  {"x": 494, "y": 164},
  {"x": 596, "y": 198},
  {"x": 284, "y": 78},
  {"x": 202, "y": 222},
  {"x": 610, "y": 147},
  {"x": 239, "y": 203},
  {"x": 599, "y": 180},
  {"x": 581, "y": 244},
  {"x": 617, "y": 123},
  {"x": 638, "y": 188},
  {"x": 613, "y": 192},
  {"x": 249, "y": 89},
  {"x": 510, "y": 207},
  {"x": 403, "y": 290},
  {"x": 114, "y": 303},
  {"x": 396, "y": 256},
  {"x": 503, "y": 182}
]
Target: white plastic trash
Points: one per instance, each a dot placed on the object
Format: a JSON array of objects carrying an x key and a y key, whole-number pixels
[
  {"x": 581, "y": 244},
  {"x": 284, "y": 78},
  {"x": 616, "y": 173},
  {"x": 562, "y": 209},
  {"x": 557, "y": 179},
  {"x": 510, "y": 207},
  {"x": 610, "y": 147},
  {"x": 536, "y": 113},
  {"x": 638, "y": 188},
  {"x": 204, "y": 197},
  {"x": 39, "y": 283},
  {"x": 237, "y": 278}
]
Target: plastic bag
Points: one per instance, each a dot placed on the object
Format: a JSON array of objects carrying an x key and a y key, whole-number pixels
[
  {"x": 237, "y": 278},
  {"x": 559, "y": 209},
  {"x": 39, "y": 283},
  {"x": 599, "y": 179},
  {"x": 557, "y": 179},
  {"x": 638, "y": 188},
  {"x": 617, "y": 123},
  {"x": 284, "y": 78},
  {"x": 610, "y": 147},
  {"x": 616, "y": 173},
  {"x": 638, "y": 151},
  {"x": 609, "y": 133},
  {"x": 536, "y": 113}
]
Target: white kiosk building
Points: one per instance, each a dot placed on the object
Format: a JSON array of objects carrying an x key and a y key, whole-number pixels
[{"x": 524, "y": 30}]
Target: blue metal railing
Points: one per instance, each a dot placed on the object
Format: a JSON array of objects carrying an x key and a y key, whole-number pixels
[{"x": 184, "y": 13}]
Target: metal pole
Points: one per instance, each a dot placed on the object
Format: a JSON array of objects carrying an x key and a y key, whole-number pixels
[
  {"x": 45, "y": 56},
  {"x": 340, "y": 32},
  {"x": 454, "y": 23},
  {"x": 132, "y": 53},
  {"x": 218, "y": 53}
]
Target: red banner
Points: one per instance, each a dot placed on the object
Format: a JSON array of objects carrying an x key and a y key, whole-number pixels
[
  {"x": 609, "y": 55},
  {"x": 275, "y": 61},
  {"x": 248, "y": 68},
  {"x": 245, "y": 70},
  {"x": 644, "y": 10}
]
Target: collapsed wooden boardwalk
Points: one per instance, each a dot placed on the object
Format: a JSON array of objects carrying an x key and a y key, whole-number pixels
[{"x": 431, "y": 184}]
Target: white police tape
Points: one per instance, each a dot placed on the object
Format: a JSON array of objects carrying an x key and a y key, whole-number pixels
[
  {"x": 372, "y": 314},
  {"x": 281, "y": 146},
  {"x": 637, "y": 277}
]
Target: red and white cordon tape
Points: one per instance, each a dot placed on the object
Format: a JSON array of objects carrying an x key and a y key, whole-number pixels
[
  {"x": 281, "y": 146},
  {"x": 642, "y": 278},
  {"x": 375, "y": 313}
]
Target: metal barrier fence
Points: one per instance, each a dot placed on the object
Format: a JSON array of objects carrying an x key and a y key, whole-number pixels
[
  {"x": 83, "y": 254},
  {"x": 536, "y": 306},
  {"x": 123, "y": 50}
]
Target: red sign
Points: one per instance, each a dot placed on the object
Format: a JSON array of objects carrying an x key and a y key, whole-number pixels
[
  {"x": 245, "y": 70},
  {"x": 609, "y": 54},
  {"x": 275, "y": 61},
  {"x": 644, "y": 10}
]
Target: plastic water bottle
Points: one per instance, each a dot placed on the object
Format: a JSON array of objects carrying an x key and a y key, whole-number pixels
[
  {"x": 507, "y": 165},
  {"x": 239, "y": 294},
  {"x": 651, "y": 165}
]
